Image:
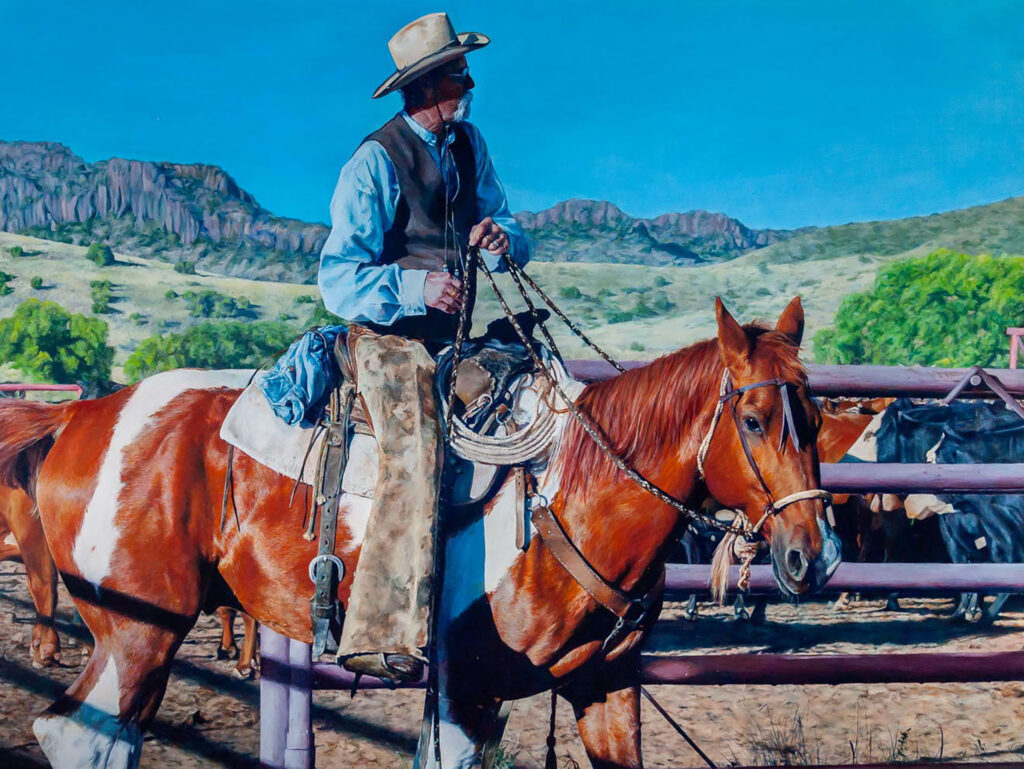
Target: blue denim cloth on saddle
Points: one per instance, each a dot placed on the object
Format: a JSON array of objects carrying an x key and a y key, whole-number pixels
[{"x": 300, "y": 383}]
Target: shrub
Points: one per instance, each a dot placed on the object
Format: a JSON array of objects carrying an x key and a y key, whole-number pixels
[
  {"x": 4, "y": 280},
  {"x": 570, "y": 292},
  {"x": 224, "y": 344},
  {"x": 661, "y": 304},
  {"x": 305, "y": 299},
  {"x": 16, "y": 251},
  {"x": 100, "y": 255},
  {"x": 138, "y": 319},
  {"x": 661, "y": 280},
  {"x": 100, "y": 292},
  {"x": 636, "y": 346},
  {"x": 213, "y": 304},
  {"x": 47, "y": 343},
  {"x": 36, "y": 282},
  {"x": 185, "y": 267},
  {"x": 170, "y": 295},
  {"x": 945, "y": 309}
]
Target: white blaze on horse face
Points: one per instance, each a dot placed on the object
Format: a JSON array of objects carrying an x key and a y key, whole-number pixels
[
  {"x": 866, "y": 447},
  {"x": 97, "y": 538},
  {"x": 91, "y": 735}
]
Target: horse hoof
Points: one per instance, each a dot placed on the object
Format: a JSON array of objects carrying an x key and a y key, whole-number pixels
[{"x": 231, "y": 653}]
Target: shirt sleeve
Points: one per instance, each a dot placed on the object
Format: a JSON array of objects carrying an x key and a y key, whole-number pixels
[
  {"x": 493, "y": 203},
  {"x": 353, "y": 282}
]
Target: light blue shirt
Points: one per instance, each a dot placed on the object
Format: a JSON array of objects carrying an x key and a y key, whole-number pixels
[{"x": 353, "y": 282}]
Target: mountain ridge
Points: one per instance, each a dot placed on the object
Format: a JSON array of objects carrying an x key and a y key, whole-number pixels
[{"x": 199, "y": 212}]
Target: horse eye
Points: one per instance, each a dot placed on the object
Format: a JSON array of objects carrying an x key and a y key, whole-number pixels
[{"x": 752, "y": 425}]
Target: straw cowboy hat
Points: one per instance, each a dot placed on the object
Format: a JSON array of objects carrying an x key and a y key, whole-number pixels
[{"x": 424, "y": 44}]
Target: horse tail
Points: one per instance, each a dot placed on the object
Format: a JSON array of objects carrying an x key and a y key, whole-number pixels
[{"x": 26, "y": 435}]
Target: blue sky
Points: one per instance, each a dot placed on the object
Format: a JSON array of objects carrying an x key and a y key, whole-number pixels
[{"x": 781, "y": 114}]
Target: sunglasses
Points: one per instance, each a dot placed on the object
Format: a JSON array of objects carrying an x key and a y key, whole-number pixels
[{"x": 459, "y": 76}]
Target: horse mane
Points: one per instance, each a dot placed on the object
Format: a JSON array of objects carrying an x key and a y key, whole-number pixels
[{"x": 646, "y": 409}]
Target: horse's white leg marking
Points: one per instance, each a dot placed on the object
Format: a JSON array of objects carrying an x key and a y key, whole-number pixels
[
  {"x": 91, "y": 737},
  {"x": 10, "y": 540},
  {"x": 97, "y": 538},
  {"x": 458, "y": 749}
]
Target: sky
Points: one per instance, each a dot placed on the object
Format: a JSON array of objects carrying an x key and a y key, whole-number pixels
[{"x": 781, "y": 113}]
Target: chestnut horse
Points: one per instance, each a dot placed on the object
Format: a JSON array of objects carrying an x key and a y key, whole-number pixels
[
  {"x": 18, "y": 520},
  {"x": 130, "y": 494}
]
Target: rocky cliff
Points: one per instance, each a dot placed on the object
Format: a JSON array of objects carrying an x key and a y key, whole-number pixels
[
  {"x": 598, "y": 231},
  {"x": 199, "y": 213},
  {"x": 177, "y": 212}
]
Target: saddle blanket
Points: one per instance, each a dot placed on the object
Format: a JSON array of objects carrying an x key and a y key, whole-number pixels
[{"x": 252, "y": 426}]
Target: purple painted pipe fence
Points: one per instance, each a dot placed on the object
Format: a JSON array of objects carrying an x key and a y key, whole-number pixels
[
  {"x": 917, "y": 578},
  {"x": 857, "y": 381},
  {"x": 287, "y": 676}
]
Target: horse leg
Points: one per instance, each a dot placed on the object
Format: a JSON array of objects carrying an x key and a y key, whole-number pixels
[
  {"x": 98, "y": 722},
  {"x": 690, "y": 612},
  {"x": 760, "y": 614},
  {"x": 893, "y": 602},
  {"x": 992, "y": 612},
  {"x": 739, "y": 609},
  {"x": 466, "y": 728},
  {"x": 607, "y": 709},
  {"x": 248, "y": 665},
  {"x": 973, "y": 610},
  {"x": 42, "y": 581},
  {"x": 228, "y": 649}
]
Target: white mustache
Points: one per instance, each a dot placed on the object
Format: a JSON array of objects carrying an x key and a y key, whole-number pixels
[{"x": 463, "y": 108}]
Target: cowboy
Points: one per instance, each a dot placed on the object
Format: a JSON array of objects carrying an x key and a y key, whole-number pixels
[{"x": 414, "y": 197}]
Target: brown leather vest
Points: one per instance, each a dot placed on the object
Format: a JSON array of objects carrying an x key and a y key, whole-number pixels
[{"x": 416, "y": 240}]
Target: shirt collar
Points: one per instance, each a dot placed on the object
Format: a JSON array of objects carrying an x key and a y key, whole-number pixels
[{"x": 429, "y": 137}]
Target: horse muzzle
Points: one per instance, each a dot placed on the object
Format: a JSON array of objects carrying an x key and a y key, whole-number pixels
[{"x": 801, "y": 563}]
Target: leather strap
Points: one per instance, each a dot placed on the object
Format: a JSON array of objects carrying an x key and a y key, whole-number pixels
[
  {"x": 558, "y": 542},
  {"x": 324, "y": 609}
]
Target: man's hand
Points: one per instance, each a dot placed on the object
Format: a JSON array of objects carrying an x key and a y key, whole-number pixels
[
  {"x": 443, "y": 291},
  {"x": 489, "y": 235}
]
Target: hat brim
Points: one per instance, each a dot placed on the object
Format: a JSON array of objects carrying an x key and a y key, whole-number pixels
[{"x": 467, "y": 41}]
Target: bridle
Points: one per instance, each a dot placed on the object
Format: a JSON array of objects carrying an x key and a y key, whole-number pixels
[{"x": 731, "y": 395}]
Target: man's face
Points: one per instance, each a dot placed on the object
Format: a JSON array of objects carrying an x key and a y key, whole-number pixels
[{"x": 452, "y": 85}]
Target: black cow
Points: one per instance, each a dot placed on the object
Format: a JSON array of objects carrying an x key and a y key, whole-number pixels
[{"x": 985, "y": 528}]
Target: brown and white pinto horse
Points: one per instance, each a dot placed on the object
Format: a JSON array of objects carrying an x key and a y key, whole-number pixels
[
  {"x": 18, "y": 521},
  {"x": 130, "y": 494}
]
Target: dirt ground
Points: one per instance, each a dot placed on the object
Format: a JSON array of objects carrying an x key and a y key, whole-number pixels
[{"x": 209, "y": 717}]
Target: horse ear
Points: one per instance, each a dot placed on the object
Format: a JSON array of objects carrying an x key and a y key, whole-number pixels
[
  {"x": 791, "y": 322},
  {"x": 733, "y": 345}
]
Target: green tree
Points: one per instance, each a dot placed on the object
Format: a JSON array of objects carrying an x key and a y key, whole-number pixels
[
  {"x": 16, "y": 251},
  {"x": 945, "y": 309},
  {"x": 36, "y": 282},
  {"x": 47, "y": 343},
  {"x": 215, "y": 344},
  {"x": 100, "y": 255},
  {"x": 6, "y": 278},
  {"x": 185, "y": 267}
]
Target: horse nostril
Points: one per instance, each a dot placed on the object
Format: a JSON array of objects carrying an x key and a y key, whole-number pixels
[{"x": 796, "y": 564}]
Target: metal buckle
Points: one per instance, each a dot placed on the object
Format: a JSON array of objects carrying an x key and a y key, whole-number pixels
[{"x": 331, "y": 559}]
